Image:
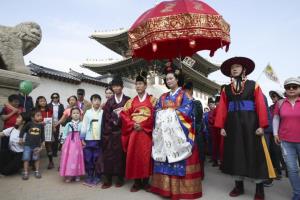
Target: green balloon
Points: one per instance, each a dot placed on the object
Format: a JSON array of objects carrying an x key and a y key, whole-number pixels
[{"x": 25, "y": 87}]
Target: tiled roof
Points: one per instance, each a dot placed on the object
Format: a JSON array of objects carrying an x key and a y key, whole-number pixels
[
  {"x": 71, "y": 77},
  {"x": 86, "y": 78}
]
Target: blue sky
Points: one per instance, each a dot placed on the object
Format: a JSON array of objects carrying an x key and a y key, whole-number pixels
[{"x": 266, "y": 31}]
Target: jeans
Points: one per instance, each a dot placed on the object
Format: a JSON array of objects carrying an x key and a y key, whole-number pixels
[
  {"x": 30, "y": 152},
  {"x": 291, "y": 152}
]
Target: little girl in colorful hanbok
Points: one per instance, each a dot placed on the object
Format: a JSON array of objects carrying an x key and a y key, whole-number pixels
[{"x": 72, "y": 161}]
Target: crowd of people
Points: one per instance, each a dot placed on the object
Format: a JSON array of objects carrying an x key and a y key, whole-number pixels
[{"x": 160, "y": 143}]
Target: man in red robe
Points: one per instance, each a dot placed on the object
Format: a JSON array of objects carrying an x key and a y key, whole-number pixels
[{"x": 137, "y": 126}]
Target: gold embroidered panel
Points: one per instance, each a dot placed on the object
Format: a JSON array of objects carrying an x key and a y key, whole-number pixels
[{"x": 172, "y": 27}]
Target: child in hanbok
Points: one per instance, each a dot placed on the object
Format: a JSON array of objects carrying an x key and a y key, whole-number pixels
[{"x": 72, "y": 161}]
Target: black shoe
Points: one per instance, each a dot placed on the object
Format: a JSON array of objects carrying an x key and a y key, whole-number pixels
[
  {"x": 50, "y": 165},
  {"x": 268, "y": 183},
  {"x": 215, "y": 163},
  {"x": 278, "y": 177},
  {"x": 238, "y": 189},
  {"x": 259, "y": 193},
  {"x": 107, "y": 182},
  {"x": 137, "y": 186},
  {"x": 119, "y": 182}
]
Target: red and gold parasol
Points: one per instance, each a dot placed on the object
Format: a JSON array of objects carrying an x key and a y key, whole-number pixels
[{"x": 178, "y": 28}]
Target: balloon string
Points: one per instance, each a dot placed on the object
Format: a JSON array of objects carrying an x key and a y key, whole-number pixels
[{"x": 25, "y": 103}]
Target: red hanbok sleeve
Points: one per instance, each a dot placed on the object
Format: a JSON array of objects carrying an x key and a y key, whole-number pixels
[
  {"x": 127, "y": 124},
  {"x": 147, "y": 125},
  {"x": 261, "y": 108},
  {"x": 221, "y": 112}
]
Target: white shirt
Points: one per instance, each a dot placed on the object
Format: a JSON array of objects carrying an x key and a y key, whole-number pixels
[
  {"x": 143, "y": 98},
  {"x": 14, "y": 139},
  {"x": 75, "y": 125},
  {"x": 175, "y": 92},
  {"x": 121, "y": 98},
  {"x": 55, "y": 111}
]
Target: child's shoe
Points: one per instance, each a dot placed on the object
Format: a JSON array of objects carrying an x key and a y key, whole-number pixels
[
  {"x": 77, "y": 179},
  {"x": 96, "y": 180},
  {"x": 37, "y": 174},
  {"x": 68, "y": 180},
  {"x": 88, "y": 181},
  {"x": 25, "y": 176}
]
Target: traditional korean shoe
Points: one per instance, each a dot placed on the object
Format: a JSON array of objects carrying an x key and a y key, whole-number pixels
[
  {"x": 145, "y": 184},
  {"x": 259, "y": 194},
  {"x": 238, "y": 189},
  {"x": 106, "y": 185},
  {"x": 135, "y": 187},
  {"x": 120, "y": 182}
]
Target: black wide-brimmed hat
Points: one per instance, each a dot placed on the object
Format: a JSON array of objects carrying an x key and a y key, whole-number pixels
[{"x": 247, "y": 63}]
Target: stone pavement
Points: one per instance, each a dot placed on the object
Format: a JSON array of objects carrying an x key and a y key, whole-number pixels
[{"x": 51, "y": 187}]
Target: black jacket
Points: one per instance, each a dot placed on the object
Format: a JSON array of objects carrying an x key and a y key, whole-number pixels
[{"x": 61, "y": 109}]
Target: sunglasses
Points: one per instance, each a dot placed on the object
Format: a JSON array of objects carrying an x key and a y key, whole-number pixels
[
  {"x": 289, "y": 87},
  {"x": 55, "y": 97}
]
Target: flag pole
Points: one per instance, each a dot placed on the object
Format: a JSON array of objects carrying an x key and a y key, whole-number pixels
[{"x": 260, "y": 74}]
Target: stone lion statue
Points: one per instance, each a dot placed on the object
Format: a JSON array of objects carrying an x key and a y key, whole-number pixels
[{"x": 16, "y": 42}]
